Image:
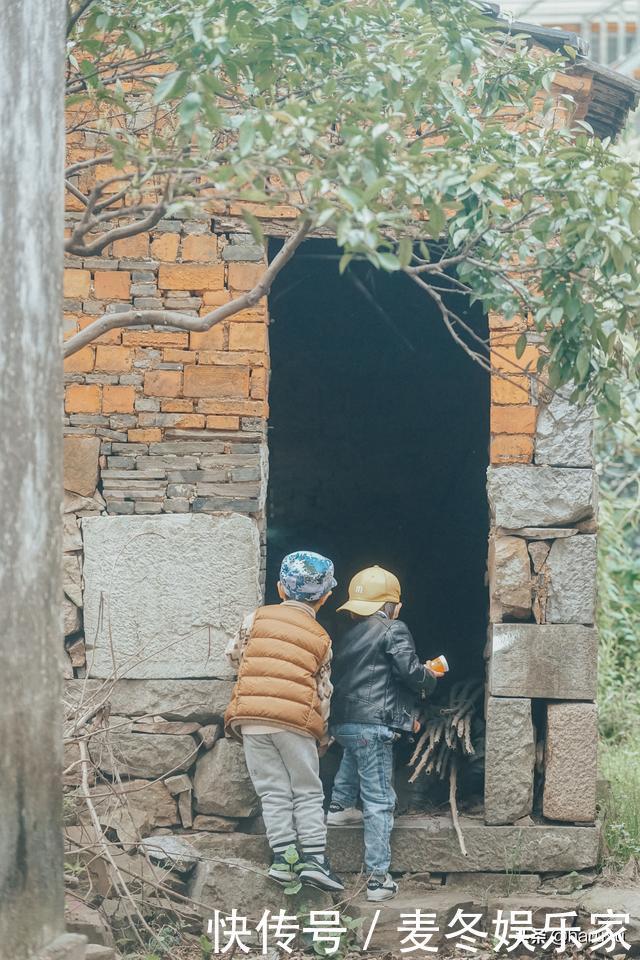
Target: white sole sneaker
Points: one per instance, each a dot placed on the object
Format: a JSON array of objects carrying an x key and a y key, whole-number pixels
[
  {"x": 319, "y": 879},
  {"x": 340, "y": 818},
  {"x": 281, "y": 876},
  {"x": 381, "y": 893}
]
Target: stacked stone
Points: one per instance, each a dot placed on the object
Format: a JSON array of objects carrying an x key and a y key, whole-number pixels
[{"x": 543, "y": 645}]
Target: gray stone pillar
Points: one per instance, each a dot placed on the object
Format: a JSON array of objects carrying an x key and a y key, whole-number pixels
[{"x": 31, "y": 224}]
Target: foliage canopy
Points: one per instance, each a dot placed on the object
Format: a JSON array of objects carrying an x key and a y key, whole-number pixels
[{"x": 420, "y": 133}]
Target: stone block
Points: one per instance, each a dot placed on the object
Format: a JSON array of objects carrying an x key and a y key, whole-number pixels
[
  {"x": 523, "y": 495},
  {"x": 81, "y": 465},
  {"x": 71, "y": 618},
  {"x": 430, "y": 844},
  {"x": 509, "y": 760},
  {"x": 245, "y": 886},
  {"x": 164, "y": 594},
  {"x": 510, "y": 578},
  {"x": 570, "y": 762},
  {"x": 72, "y": 578},
  {"x": 547, "y": 661},
  {"x": 571, "y": 580},
  {"x": 68, "y": 946},
  {"x": 143, "y": 755},
  {"x": 203, "y": 701},
  {"x": 564, "y": 434},
  {"x": 134, "y": 809},
  {"x": 214, "y": 381},
  {"x": 221, "y": 782}
]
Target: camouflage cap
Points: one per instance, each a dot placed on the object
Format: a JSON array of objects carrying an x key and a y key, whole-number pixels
[{"x": 306, "y": 576}]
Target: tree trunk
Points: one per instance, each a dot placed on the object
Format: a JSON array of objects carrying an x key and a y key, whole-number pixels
[{"x": 31, "y": 226}]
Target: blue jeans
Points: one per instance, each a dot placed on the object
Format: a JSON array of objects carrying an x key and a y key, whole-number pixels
[{"x": 367, "y": 769}]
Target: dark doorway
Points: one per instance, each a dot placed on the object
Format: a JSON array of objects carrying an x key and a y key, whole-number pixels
[{"x": 378, "y": 439}]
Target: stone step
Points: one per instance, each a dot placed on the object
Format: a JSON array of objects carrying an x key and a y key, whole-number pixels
[{"x": 429, "y": 844}]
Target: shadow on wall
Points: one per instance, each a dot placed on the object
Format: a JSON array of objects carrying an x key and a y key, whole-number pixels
[{"x": 378, "y": 441}]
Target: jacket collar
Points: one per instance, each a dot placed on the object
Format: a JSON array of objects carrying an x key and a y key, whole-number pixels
[{"x": 300, "y": 606}]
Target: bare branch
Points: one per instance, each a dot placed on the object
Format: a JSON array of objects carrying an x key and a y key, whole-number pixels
[{"x": 167, "y": 318}]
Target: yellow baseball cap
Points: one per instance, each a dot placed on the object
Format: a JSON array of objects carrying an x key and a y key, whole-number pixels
[{"x": 370, "y": 589}]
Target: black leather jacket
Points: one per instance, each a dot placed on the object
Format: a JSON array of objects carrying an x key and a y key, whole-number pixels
[{"x": 376, "y": 674}]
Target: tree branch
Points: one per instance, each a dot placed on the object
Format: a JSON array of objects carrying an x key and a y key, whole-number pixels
[{"x": 167, "y": 318}]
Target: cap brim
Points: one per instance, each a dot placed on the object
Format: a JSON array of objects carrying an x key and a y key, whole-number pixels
[{"x": 363, "y": 607}]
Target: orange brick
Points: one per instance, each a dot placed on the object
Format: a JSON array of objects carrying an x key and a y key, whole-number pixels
[
  {"x": 212, "y": 339},
  {"x": 498, "y": 322},
  {"x": 223, "y": 423},
  {"x": 141, "y": 435},
  {"x": 513, "y": 419},
  {"x": 244, "y": 276},
  {"x": 509, "y": 389},
  {"x": 77, "y": 283},
  {"x": 214, "y": 298},
  {"x": 238, "y": 358},
  {"x": 136, "y": 248},
  {"x": 191, "y": 420},
  {"x": 117, "y": 399},
  {"x": 176, "y": 406},
  {"x": 515, "y": 448},
  {"x": 80, "y": 362},
  {"x": 165, "y": 246},
  {"x": 83, "y": 398},
  {"x": 235, "y": 408},
  {"x": 155, "y": 338},
  {"x": 179, "y": 356},
  {"x": 247, "y": 336},
  {"x": 191, "y": 276},
  {"x": 216, "y": 381},
  {"x": 200, "y": 248},
  {"x": 114, "y": 359},
  {"x": 111, "y": 284},
  {"x": 504, "y": 358},
  {"x": 163, "y": 383},
  {"x": 255, "y": 315},
  {"x": 112, "y": 336},
  {"x": 258, "y": 384}
]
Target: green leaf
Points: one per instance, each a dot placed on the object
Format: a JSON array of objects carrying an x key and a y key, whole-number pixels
[
  {"x": 169, "y": 86},
  {"x": 258, "y": 235},
  {"x": 246, "y": 137},
  {"x": 292, "y": 888},
  {"x": 521, "y": 345},
  {"x": 583, "y": 362},
  {"x": 300, "y": 17},
  {"x": 291, "y": 854},
  {"x": 388, "y": 261}
]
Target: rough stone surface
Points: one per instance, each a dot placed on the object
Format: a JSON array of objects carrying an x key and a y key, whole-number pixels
[
  {"x": 538, "y": 551},
  {"x": 626, "y": 900},
  {"x": 221, "y": 783},
  {"x": 524, "y": 495},
  {"x": 71, "y": 618},
  {"x": 493, "y": 884},
  {"x": 81, "y": 464},
  {"x": 548, "y": 661},
  {"x": 509, "y": 760},
  {"x": 540, "y": 533},
  {"x": 166, "y": 593},
  {"x": 141, "y": 755},
  {"x": 176, "y": 851},
  {"x": 214, "y": 824},
  {"x": 68, "y": 946},
  {"x": 564, "y": 432},
  {"x": 133, "y": 809},
  {"x": 72, "y": 578},
  {"x": 83, "y": 919},
  {"x": 420, "y": 844},
  {"x": 243, "y": 884},
  {"x": 570, "y": 762},
  {"x": 510, "y": 571},
  {"x": 201, "y": 700},
  {"x": 571, "y": 578}
]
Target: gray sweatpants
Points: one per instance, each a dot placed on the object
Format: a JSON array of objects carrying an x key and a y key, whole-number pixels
[{"x": 284, "y": 770}]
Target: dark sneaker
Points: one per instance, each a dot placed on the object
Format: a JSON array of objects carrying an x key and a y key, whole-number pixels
[
  {"x": 316, "y": 871},
  {"x": 381, "y": 887},
  {"x": 280, "y": 870},
  {"x": 339, "y": 816}
]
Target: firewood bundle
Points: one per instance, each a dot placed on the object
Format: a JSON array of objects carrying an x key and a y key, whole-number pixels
[{"x": 446, "y": 740}]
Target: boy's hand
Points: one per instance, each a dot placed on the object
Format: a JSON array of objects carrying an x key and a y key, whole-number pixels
[{"x": 324, "y": 746}]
